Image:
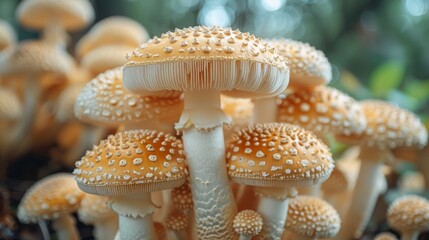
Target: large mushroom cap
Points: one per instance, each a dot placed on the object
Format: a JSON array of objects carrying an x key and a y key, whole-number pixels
[
  {"x": 409, "y": 213},
  {"x": 308, "y": 66},
  {"x": 312, "y": 217},
  {"x": 322, "y": 109},
  {"x": 388, "y": 127},
  {"x": 72, "y": 15},
  {"x": 10, "y": 106},
  {"x": 277, "y": 155},
  {"x": 50, "y": 197},
  {"x": 7, "y": 35},
  {"x": 131, "y": 162},
  {"x": 202, "y": 58},
  {"x": 105, "y": 57},
  {"x": 94, "y": 209},
  {"x": 248, "y": 223},
  {"x": 117, "y": 30},
  {"x": 105, "y": 101}
]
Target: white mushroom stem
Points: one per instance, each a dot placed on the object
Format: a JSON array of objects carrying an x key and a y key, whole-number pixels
[
  {"x": 204, "y": 147},
  {"x": 65, "y": 227},
  {"x": 55, "y": 35},
  {"x": 364, "y": 195},
  {"x": 106, "y": 230},
  {"x": 135, "y": 220},
  {"x": 409, "y": 235},
  {"x": 265, "y": 110}
]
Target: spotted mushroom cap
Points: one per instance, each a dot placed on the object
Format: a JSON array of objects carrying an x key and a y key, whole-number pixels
[
  {"x": 115, "y": 30},
  {"x": 65, "y": 103},
  {"x": 104, "y": 100},
  {"x": 10, "y": 106},
  {"x": 337, "y": 182},
  {"x": 322, "y": 109},
  {"x": 72, "y": 15},
  {"x": 94, "y": 209},
  {"x": 132, "y": 161},
  {"x": 35, "y": 57},
  {"x": 409, "y": 213},
  {"x": 49, "y": 198},
  {"x": 312, "y": 217},
  {"x": 177, "y": 221},
  {"x": 105, "y": 57},
  {"x": 248, "y": 223},
  {"x": 182, "y": 197},
  {"x": 7, "y": 35},
  {"x": 385, "y": 236},
  {"x": 201, "y": 58},
  {"x": 277, "y": 155},
  {"x": 388, "y": 127},
  {"x": 308, "y": 66}
]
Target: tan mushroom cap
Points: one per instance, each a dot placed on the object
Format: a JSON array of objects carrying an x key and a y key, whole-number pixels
[
  {"x": 322, "y": 110},
  {"x": 36, "y": 57},
  {"x": 104, "y": 100},
  {"x": 409, "y": 213},
  {"x": 10, "y": 106},
  {"x": 389, "y": 127},
  {"x": 49, "y": 198},
  {"x": 65, "y": 103},
  {"x": 7, "y": 35},
  {"x": 182, "y": 197},
  {"x": 116, "y": 30},
  {"x": 337, "y": 182},
  {"x": 131, "y": 162},
  {"x": 312, "y": 217},
  {"x": 277, "y": 155},
  {"x": 308, "y": 66},
  {"x": 94, "y": 209},
  {"x": 202, "y": 58},
  {"x": 72, "y": 15},
  {"x": 248, "y": 223},
  {"x": 105, "y": 57},
  {"x": 177, "y": 221},
  {"x": 385, "y": 236}
]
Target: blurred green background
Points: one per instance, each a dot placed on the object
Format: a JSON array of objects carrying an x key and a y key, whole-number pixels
[{"x": 379, "y": 48}]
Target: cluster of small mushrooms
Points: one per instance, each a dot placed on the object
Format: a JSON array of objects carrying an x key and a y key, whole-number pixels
[{"x": 214, "y": 134}]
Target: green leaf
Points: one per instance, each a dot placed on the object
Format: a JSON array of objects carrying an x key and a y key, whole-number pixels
[
  {"x": 385, "y": 78},
  {"x": 417, "y": 89}
]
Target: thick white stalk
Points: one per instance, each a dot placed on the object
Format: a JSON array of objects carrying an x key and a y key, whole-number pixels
[
  {"x": 214, "y": 203},
  {"x": 364, "y": 195},
  {"x": 274, "y": 213},
  {"x": 265, "y": 110},
  {"x": 65, "y": 227},
  {"x": 409, "y": 235},
  {"x": 107, "y": 229},
  {"x": 55, "y": 35}
]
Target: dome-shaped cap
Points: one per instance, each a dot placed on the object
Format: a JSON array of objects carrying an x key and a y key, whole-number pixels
[
  {"x": 409, "y": 213},
  {"x": 277, "y": 155},
  {"x": 105, "y": 101},
  {"x": 94, "y": 209},
  {"x": 7, "y": 35},
  {"x": 385, "y": 236},
  {"x": 182, "y": 197},
  {"x": 131, "y": 162},
  {"x": 177, "y": 221},
  {"x": 10, "y": 106},
  {"x": 65, "y": 103},
  {"x": 118, "y": 30},
  {"x": 389, "y": 127},
  {"x": 308, "y": 66},
  {"x": 49, "y": 198},
  {"x": 322, "y": 109},
  {"x": 72, "y": 15},
  {"x": 36, "y": 57},
  {"x": 248, "y": 223},
  {"x": 312, "y": 217},
  {"x": 105, "y": 57},
  {"x": 202, "y": 58}
]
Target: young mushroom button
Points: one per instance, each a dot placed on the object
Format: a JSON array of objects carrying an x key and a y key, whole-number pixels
[{"x": 248, "y": 223}]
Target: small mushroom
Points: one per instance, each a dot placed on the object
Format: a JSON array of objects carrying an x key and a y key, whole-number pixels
[
  {"x": 247, "y": 224},
  {"x": 178, "y": 222},
  {"x": 385, "y": 236}
]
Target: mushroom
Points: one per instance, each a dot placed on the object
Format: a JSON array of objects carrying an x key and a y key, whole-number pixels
[
  {"x": 53, "y": 198},
  {"x": 10, "y": 112},
  {"x": 55, "y": 16},
  {"x": 178, "y": 222},
  {"x": 94, "y": 210},
  {"x": 247, "y": 223},
  {"x": 7, "y": 35},
  {"x": 129, "y": 166},
  {"x": 311, "y": 218},
  {"x": 182, "y": 197},
  {"x": 159, "y": 232},
  {"x": 385, "y": 236},
  {"x": 276, "y": 158},
  {"x": 388, "y": 127},
  {"x": 202, "y": 62},
  {"x": 409, "y": 215}
]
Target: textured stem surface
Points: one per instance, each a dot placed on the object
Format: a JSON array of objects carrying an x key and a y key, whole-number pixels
[
  {"x": 65, "y": 227},
  {"x": 107, "y": 229},
  {"x": 265, "y": 110},
  {"x": 409, "y": 235},
  {"x": 274, "y": 214}
]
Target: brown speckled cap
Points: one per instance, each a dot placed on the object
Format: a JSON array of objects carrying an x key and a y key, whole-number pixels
[
  {"x": 277, "y": 155},
  {"x": 104, "y": 100},
  {"x": 201, "y": 58},
  {"x": 322, "y": 109},
  {"x": 248, "y": 223},
  {"x": 409, "y": 213},
  {"x": 308, "y": 66},
  {"x": 177, "y": 221},
  {"x": 132, "y": 161},
  {"x": 94, "y": 208},
  {"x": 182, "y": 197},
  {"x": 312, "y": 217},
  {"x": 49, "y": 198}
]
